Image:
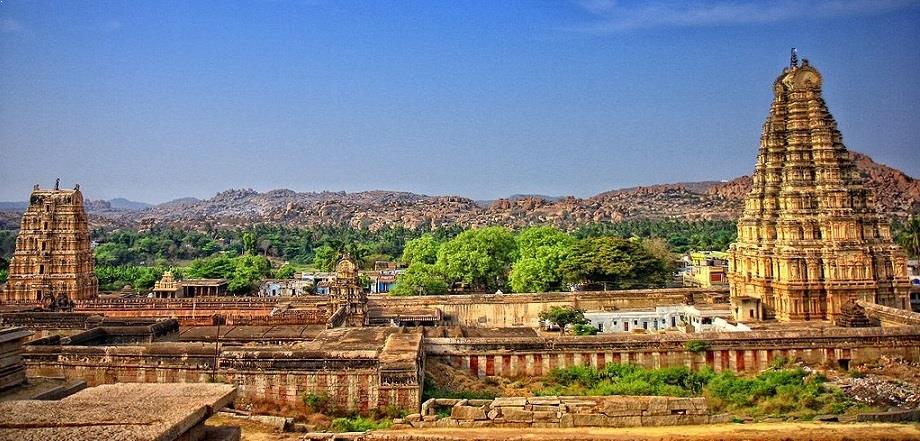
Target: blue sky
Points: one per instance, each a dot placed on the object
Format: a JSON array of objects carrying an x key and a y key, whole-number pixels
[{"x": 154, "y": 100}]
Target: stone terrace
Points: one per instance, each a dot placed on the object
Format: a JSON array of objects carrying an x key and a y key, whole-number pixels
[{"x": 123, "y": 412}]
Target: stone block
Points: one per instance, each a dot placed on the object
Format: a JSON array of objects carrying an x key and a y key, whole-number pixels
[
  {"x": 446, "y": 401},
  {"x": 513, "y": 415},
  {"x": 540, "y": 408},
  {"x": 544, "y": 401},
  {"x": 412, "y": 417},
  {"x": 589, "y": 420},
  {"x": 478, "y": 402},
  {"x": 509, "y": 402},
  {"x": 507, "y": 425},
  {"x": 475, "y": 424},
  {"x": 673, "y": 420},
  {"x": 657, "y": 406},
  {"x": 429, "y": 418},
  {"x": 395, "y": 426},
  {"x": 567, "y": 421},
  {"x": 468, "y": 413},
  {"x": 624, "y": 421},
  {"x": 494, "y": 413},
  {"x": 545, "y": 416},
  {"x": 446, "y": 423}
]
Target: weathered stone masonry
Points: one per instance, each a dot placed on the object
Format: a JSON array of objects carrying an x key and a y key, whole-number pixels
[
  {"x": 355, "y": 377},
  {"x": 747, "y": 352}
]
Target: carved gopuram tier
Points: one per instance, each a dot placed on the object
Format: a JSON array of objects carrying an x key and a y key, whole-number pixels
[
  {"x": 810, "y": 238},
  {"x": 348, "y": 297},
  {"x": 53, "y": 260}
]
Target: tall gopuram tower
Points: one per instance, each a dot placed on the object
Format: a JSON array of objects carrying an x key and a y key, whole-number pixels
[
  {"x": 810, "y": 238},
  {"x": 53, "y": 261}
]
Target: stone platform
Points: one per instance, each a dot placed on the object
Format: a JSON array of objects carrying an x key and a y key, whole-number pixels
[{"x": 127, "y": 412}]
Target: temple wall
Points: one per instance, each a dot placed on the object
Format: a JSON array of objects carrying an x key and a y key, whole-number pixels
[
  {"x": 506, "y": 310},
  {"x": 352, "y": 382},
  {"x": 739, "y": 352},
  {"x": 200, "y": 311}
]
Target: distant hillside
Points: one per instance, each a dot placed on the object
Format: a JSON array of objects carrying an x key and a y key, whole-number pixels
[
  {"x": 898, "y": 196},
  {"x": 124, "y": 204}
]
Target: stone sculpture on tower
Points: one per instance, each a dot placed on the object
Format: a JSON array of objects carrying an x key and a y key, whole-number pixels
[{"x": 810, "y": 238}]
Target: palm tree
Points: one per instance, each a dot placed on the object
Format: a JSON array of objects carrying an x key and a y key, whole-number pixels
[{"x": 909, "y": 237}]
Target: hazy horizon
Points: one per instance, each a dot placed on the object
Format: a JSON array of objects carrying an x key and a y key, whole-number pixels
[{"x": 157, "y": 101}]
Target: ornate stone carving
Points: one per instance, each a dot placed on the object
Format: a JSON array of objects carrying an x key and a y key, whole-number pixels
[
  {"x": 53, "y": 261},
  {"x": 810, "y": 238}
]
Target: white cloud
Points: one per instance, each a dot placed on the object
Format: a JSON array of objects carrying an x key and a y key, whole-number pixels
[
  {"x": 612, "y": 16},
  {"x": 8, "y": 25}
]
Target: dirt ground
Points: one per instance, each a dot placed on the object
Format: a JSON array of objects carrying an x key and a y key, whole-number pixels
[
  {"x": 717, "y": 432},
  {"x": 720, "y": 432}
]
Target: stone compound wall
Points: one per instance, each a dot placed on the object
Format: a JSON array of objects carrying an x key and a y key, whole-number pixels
[
  {"x": 563, "y": 412},
  {"x": 506, "y": 310},
  {"x": 352, "y": 379},
  {"x": 889, "y": 316},
  {"x": 200, "y": 311},
  {"x": 739, "y": 352}
]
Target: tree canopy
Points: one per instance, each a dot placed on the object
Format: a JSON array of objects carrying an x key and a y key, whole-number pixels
[{"x": 479, "y": 257}]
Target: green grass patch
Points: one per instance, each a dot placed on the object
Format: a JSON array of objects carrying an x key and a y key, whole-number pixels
[
  {"x": 779, "y": 391},
  {"x": 357, "y": 424}
]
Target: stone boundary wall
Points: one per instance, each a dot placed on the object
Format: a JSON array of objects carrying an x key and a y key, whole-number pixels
[
  {"x": 507, "y": 310},
  {"x": 740, "y": 352},
  {"x": 563, "y": 412},
  {"x": 352, "y": 379},
  {"x": 199, "y": 311},
  {"x": 889, "y": 316}
]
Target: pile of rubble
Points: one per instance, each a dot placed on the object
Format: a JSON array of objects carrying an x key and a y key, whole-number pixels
[{"x": 878, "y": 392}]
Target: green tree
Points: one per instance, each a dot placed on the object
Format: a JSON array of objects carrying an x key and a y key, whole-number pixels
[
  {"x": 420, "y": 279},
  {"x": 909, "y": 237},
  {"x": 542, "y": 251},
  {"x": 423, "y": 249},
  {"x": 563, "y": 316},
  {"x": 479, "y": 257},
  {"x": 617, "y": 263},
  {"x": 249, "y": 243},
  {"x": 285, "y": 272},
  {"x": 324, "y": 258}
]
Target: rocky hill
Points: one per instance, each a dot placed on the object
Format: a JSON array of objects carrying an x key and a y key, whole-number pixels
[{"x": 897, "y": 194}]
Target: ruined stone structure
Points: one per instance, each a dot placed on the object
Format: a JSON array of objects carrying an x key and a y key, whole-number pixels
[
  {"x": 748, "y": 352},
  {"x": 349, "y": 300},
  {"x": 810, "y": 238},
  {"x": 564, "y": 412},
  {"x": 358, "y": 368},
  {"x": 53, "y": 261}
]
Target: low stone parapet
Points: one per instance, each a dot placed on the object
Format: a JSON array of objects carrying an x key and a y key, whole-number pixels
[{"x": 563, "y": 412}]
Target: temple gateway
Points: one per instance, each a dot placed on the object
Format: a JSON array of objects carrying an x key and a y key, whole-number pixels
[
  {"x": 810, "y": 238},
  {"x": 53, "y": 261}
]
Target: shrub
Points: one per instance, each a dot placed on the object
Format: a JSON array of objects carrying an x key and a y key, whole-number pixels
[
  {"x": 697, "y": 346},
  {"x": 317, "y": 402},
  {"x": 357, "y": 424}
]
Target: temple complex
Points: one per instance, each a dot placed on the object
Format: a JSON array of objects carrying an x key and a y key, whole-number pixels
[
  {"x": 53, "y": 261},
  {"x": 810, "y": 238}
]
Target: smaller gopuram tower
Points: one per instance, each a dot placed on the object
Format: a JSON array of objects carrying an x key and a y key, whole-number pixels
[
  {"x": 53, "y": 261},
  {"x": 810, "y": 238},
  {"x": 347, "y": 293}
]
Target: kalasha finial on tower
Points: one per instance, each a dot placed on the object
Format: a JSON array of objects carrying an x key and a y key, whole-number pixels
[
  {"x": 57, "y": 184},
  {"x": 794, "y": 58}
]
